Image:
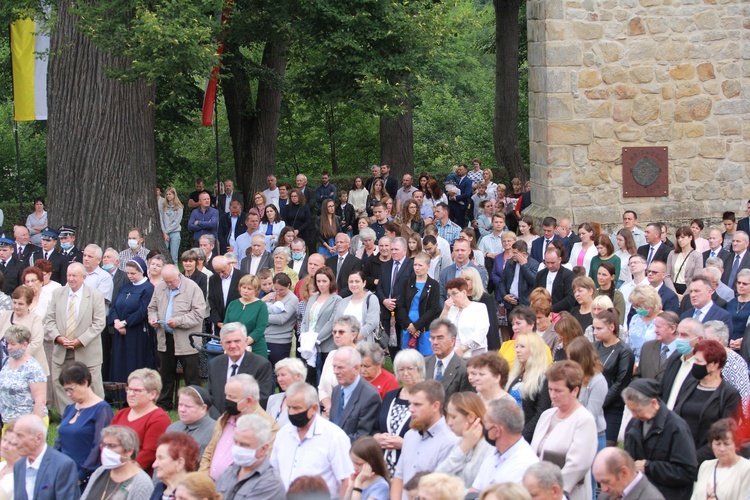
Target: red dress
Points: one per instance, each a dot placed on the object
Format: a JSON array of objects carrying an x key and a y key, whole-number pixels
[
  {"x": 148, "y": 427},
  {"x": 385, "y": 382}
]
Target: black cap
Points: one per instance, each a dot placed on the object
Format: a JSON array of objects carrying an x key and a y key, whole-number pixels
[
  {"x": 67, "y": 230},
  {"x": 646, "y": 386},
  {"x": 203, "y": 394}
]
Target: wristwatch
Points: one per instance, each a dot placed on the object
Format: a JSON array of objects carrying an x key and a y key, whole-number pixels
[{"x": 125, "y": 323}]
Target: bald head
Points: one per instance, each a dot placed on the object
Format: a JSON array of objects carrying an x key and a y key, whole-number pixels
[
  {"x": 614, "y": 469},
  {"x": 314, "y": 262}
]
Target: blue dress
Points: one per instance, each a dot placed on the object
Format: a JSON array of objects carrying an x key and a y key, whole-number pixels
[
  {"x": 80, "y": 440},
  {"x": 740, "y": 312},
  {"x": 137, "y": 348},
  {"x": 423, "y": 341}
]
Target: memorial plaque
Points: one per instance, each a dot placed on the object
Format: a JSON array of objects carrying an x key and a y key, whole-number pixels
[{"x": 645, "y": 171}]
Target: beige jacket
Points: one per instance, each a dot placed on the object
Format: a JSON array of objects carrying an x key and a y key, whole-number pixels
[
  {"x": 36, "y": 327},
  {"x": 188, "y": 306}
]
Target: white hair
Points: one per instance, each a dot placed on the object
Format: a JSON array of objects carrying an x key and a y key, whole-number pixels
[
  {"x": 249, "y": 385},
  {"x": 259, "y": 425}
]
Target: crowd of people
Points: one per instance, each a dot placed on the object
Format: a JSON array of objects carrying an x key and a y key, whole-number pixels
[{"x": 518, "y": 361}]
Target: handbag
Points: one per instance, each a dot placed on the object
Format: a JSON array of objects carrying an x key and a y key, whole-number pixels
[{"x": 381, "y": 336}]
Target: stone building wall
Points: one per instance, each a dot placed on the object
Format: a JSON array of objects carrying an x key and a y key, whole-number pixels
[{"x": 607, "y": 74}]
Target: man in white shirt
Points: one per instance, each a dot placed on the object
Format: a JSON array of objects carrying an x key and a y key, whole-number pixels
[
  {"x": 689, "y": 332},
  {"x": 442, "y": 243},
  {"x": 96, "y": 277},
  {"x": 244, "y": 241},
  {"x": 257, "y": 258},
  {"x": 311, "y": 445},
  {"x": 503, "y": 424},
  {"x": 299, "y": 257},
  {"x": 637, "y": 266},
  {"x": 272, "y": 193}
]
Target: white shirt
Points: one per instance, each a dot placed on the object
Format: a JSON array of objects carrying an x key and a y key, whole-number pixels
[
  {"x": 682, "y": 374},
  {"x": 228, "y": 201},
  {"x": 31, "y": 482},
  {"x": 472, "y": 324},
  {"x": 272, "y": 197},
  {"x": 632, "y": 485},
  {"x": 230, "y": 363},
  {"x": 445, "y": 361},
  {"x": 254, "y": 263},
  {"x": 323, "y": 452},
  {"x": 297, "y": 265},
  {"x": 100, "y": 280},
  {"x": 225, "y": 283},
  {"x": 510, "y": 466},
  {"x": 550, "y": 280},
  {"x": 233, "y": 222}
]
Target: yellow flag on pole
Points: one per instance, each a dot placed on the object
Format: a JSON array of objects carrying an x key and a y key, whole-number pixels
[{"x": 29, "y": 60}]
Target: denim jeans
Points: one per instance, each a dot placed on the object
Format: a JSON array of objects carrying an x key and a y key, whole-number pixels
[{"x": 174, "y": 246}]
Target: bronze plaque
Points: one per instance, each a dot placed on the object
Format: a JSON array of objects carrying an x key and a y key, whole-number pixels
[{"x": 645, "y": 172}]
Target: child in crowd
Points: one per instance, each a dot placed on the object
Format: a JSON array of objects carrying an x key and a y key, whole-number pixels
[
  {"x": 479, "y": 197},
  {"x": 266, "y": 282}
]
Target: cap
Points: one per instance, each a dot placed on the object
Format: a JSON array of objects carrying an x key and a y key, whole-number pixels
[
  {"x": 49, "y": 234},
  {"x": 203, "y": 394},
  {"x": 7, "y": 242},
  {"x": 646, "y": 386},
  {"x": 66, "y": 230}
]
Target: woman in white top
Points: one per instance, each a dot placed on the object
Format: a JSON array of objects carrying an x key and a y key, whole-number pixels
[
  {"x": 728, "y": 475},
  {"x": 684, "y": 261},
  {"x": 271, "y": 226},
  {"x": 526, "y": 230},
  {"x": 584, "y": 250},
  {"x": 471, "y": 319},
  {"x": 491, "y": 186},
  {"x": 625, "y": 249},
  {"x": 358, "y": 197},
  {"x": 361, "y": 304}
]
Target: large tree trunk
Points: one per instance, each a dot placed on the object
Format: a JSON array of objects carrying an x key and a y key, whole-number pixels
[
  {"x": 505, "y": 130},
  {"x": 397, "y": 142},
  {"x": 100, "y": 144},
  {"x": 254, "y": 126}
]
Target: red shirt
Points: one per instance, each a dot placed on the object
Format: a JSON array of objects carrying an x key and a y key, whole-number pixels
[
  {"x": 148, "y": 427},
  {"x": 385, "y": 382}
]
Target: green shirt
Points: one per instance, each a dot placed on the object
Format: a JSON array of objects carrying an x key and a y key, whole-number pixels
[{"x": 255, "y": 318}]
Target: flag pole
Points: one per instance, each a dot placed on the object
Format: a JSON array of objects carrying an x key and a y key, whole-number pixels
[
  {"x": 216, "y": 140},
  {"x": 18, "y": 167}
]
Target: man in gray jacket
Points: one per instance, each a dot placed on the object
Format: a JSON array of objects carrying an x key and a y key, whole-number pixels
[{"x": 175, "y": 311}]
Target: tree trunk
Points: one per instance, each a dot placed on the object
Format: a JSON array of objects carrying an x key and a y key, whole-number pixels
[
  {"x": 505, "y": 130},
  {"x": 397, "y": 142},
  {"x": 100, "y": 144},
  {"x": 331, "y": 129},
  {"x": 254, "y": 126}
]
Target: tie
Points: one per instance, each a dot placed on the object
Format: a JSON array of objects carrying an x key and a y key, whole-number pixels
[
  {"x": 70, "y": 326},
  {"x": 20, "y": 250},
  {"x": 46, "y": 255},
  {"x": 546, "y": 243},
  {"x": 2, "y": 264},
  {"x": 713, "y": 253},
  {"x": 733, "y": 274},
  {"x": 338, "y": 268},
  {"x": 650, "y": 255},
  {"x": 396, "y": 265},
  {"x": 697, "y": 314},
  {"x": 340, "y": 410},
  {"x": 663, "y": 355},
  {"x": 234, "y": 369},
  {"x": 439, "y": 371}
]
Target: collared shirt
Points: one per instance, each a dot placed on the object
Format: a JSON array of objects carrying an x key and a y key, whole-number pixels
[
  {"x": 626, "y": 491},
  {"x": 238, "y": 363},
  {"x": 509, "y": 466},
  {"x": 404, "y": 194},
  {"x": 425, "y": 211},
  {"x": 704, "y": 310},
  {"x": 296, "y": 265},
  {"x": 346, "y": 391},
  {"x": 449, "y": 232},
  {"x": 514, "y": 284},
  {"x": 652, "y": 252},
  {"x": 243, "y": 243},
  {"x": 127, "y": 255},
  {"x": 77, "y": 297},
  {"x": 324, "y": 452},
  {"x": 671, "y": 347},
  {"x": 424, "y": 450},
  {"x": 222, "y": 457},
  {"x": 100, "y": 280},
  {"x": 491, "y": 243},
  {"x": 551, "y": 275},
  {"x": 682, "y": 374},
  {"x": 254, "y": 263},
  {"x": 262, "y": 483},
  {"x": 233, "y": 223},
  {"x": 227, "y": 201},
  {"x": 201, "y": 430},
  {"x": 31, "y": 478},
  {"x": 225, "y": 282},
  {"x": 446, "y": 360}
]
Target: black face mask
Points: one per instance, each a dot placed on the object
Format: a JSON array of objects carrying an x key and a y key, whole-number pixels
[
  {"x": 491, "y": 442},
  {"x": 699, "y": 371},
  {"x": 300, "y": 419},
  {"x": 231, "y": 408}
]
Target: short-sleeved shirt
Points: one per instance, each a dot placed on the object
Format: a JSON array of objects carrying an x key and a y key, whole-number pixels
[
  {"x": 509, "y": 466},
  {"x": 15, "y": 394}
]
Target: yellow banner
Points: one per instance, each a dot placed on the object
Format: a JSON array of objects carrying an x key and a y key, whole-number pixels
[{"x": 29, "y": 70}]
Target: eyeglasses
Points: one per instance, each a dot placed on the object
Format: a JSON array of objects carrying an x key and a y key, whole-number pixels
[
  {"x": 654, "y": 272},
  {"x": 134, "y": 390},
  {"x": 405, "y": 369},
  {"x": 109, "y": 446},
  {"x": 70, "y": 390},
  {"x": 743, "y": 283}
]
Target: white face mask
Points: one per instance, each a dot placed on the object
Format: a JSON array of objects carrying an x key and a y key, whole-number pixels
[
  {"x": 244, "y": 457},
  {"x": 111, "y": 459},
  {"x": 132, "y": 244}
]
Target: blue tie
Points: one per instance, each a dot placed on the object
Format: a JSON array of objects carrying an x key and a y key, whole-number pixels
[
  {"x": 735, "y": 268},
  {"x": 340, "y": 409},
  {"x": 439, "y": 372}
]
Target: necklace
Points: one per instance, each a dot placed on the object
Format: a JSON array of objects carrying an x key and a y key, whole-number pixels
[
  {"x": 740, "y": 307},
  {"x": 106, "y": 488}
]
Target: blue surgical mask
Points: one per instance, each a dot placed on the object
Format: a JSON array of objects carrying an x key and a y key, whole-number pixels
[
  {"x": 108, "y": 267},
  {"x": 683, "y": 346},
  {"x": 66, "y": 246},
  {"x": 642, "y": 312},
  {"x": 298, "y": 256}
]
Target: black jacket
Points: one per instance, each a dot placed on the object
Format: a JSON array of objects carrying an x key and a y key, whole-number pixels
[
  {"x": 351, "y": 264},
  {"x": 383, "y": 290},
  {"x": 669, "y": 454},
  {"x": 533, "y": 409},
  {"x": 722, "y": 403},
  {"x": 252, "y": 364},
  {"x": 618, "y": 371},
  {"x": 493, "y": 334},
  {"x": 661, "y": 253},
  {"x": 429, "y": 304},
  {"x": 216, "y": 295},
  {"x": 526, "y": 281},
  {"x": 346, "y": 216},
  {"x": 372, "y": 272},
  {"x": 201, "y": 280},
  {"x": 225, "y": 230},
  {"x": 12, "y": 273},
  {"x": 562, "y": 288}
]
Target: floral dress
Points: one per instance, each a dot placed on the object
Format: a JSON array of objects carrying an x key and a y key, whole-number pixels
[{"x": 15, "y": 394}]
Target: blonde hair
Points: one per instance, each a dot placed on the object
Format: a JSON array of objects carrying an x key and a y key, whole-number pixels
[
  {"x": 442, "y": 486},
  {"x": 508, "y": 234},
  {"x": 150, "y": 378},
  {"x": 602, "y": 302},
  {"x": 177, "y": 202},
  {"x": 199, "y": 484},
  {"x": 535, "y": 367},
  {"x": 646, "y": 296},
  {"x": 477, "y": 288},
  {"x": 505, "y": 491}
]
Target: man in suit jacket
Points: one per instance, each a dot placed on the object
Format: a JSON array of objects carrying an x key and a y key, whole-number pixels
[
  {"x": 457, "y": 203},
  {"x": 539, "y": 245},
  {"x": 231, "y": 227},
  {"x": 704, "y": 308},
  {"x": 526, "y": 268},
  {"x": 56, "y": 474},
  {"x": 10, "y": 266},
  {"x": 657, "y": 272},
  {"x": 713, "y": 274},
  {"x": 744, "y": 223},
  {"x": 343, "y": 264},
  {"x": 23, "y": 250},
  {"x": 299, "y": 257},
  {"x": 715, "y": 249},
  {"x": 75, "y": 319},
  {"x": 258, "y": 258},
  {"x": 615, "y": 471},
  {"x": 390, "y": 184},
  {"x": 461, "y": 257},
  {"x": 226, "y": 278},
  {"x": 234, "y": 341},
  {"x": 355, "y": 403},
  {"x": 656, "y": 353},
  {"x": 69, "y": 252},
  {"x": 394, "y": 276},
  {"x": 654, "y": 249},
  {"x": 229, "y": 195},
  {"x": 444, "y": 365},
  {"x": 738, "y": 261},
  {"x": 50, "y": 252},
  {"x": 557, "y": 280}
]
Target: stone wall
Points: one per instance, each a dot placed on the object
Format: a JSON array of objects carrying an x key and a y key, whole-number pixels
[{"x": 607, "y": 74}]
